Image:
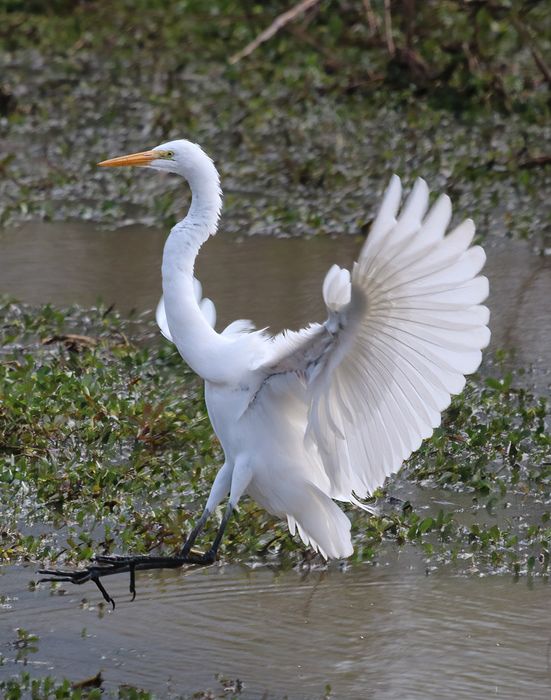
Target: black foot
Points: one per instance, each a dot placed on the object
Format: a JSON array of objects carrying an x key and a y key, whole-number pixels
[{"x": 110, "y": 565}]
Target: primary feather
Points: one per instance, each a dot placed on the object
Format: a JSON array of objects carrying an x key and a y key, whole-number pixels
[{"x": 400, "y": 336}]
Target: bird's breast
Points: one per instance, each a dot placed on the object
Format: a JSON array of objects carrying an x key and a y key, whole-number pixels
[{"x": 226, "y": 406}]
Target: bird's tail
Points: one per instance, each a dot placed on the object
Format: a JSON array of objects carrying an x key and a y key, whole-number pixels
[{"x": 320, "y": 522}]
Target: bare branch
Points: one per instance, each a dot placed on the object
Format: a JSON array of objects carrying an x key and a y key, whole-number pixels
[
  {"x": 278, "y": 23},
  {"x": 388, "y": 29},
  {"x": 372, "y": 19},
  {"x": 541, "y": 64},
  {"x": 528, "y": 35},
  {"x": 535, "y": 161}
]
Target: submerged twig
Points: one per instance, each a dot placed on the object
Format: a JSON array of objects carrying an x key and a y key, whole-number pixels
[
  {"x": 109, "y": 565},
  {"x": 91, "y": 682}
]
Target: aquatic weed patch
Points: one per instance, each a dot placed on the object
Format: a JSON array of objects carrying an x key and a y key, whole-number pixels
[
  {"x": 78, "y": 424},
  {"x": 105, "y": 446},
  {"x": 494, "y": 449},
  {"x": 299, "y": 152},
  {"x": 24, "y": 685}
]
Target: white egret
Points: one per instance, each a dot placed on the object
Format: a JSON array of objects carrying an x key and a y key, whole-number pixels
[{"x": 327, "y": 413}]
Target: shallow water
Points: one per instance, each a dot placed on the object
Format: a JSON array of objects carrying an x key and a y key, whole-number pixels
[
  {"x": 275, "y": 282},
  {"x": 379, "y": 632},
  {"x": 370, "y": 632}
]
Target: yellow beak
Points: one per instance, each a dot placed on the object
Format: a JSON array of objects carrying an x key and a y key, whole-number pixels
[{"x": 142, "y": 158}]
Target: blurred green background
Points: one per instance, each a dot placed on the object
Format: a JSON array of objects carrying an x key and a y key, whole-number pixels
[{"x": 305, "y": 130}]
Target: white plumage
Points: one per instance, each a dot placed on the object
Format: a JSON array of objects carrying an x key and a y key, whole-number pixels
[{"x": 328, "y": 412}]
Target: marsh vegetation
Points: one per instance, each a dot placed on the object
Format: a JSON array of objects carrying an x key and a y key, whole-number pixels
[{"x": 104, "y": 441}]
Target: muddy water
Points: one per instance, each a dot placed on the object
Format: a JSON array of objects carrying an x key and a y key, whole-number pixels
[
  {"x": 275, "y": 282},
  {"x": 380, "y": 633}
]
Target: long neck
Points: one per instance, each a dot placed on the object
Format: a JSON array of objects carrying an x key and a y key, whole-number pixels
[{"x": 197, "y": 342}]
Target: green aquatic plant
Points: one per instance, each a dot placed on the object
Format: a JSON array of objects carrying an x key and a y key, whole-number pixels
[
  {"x": 24, "y": 685},
  {"x": 105, "y": 447}
]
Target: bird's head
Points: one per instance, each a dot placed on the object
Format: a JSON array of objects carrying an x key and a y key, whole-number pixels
[{"x": 180, "y": 156}]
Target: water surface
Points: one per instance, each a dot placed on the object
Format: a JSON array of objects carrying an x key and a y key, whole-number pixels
[
  {"x": 275, "y": 282},
  {"x": 387, "y": 632},
  {"x": 370, "y": 632}
]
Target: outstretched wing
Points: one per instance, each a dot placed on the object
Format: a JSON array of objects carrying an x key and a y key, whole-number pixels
[{"x": 402, "y": 331}]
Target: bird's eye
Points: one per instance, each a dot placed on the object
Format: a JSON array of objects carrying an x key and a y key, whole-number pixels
[{"x": 169, "y": 154}]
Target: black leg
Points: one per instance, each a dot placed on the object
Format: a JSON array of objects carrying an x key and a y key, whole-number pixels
[
  {"x": 194, "y": 533},
  {"x": 115, "y": 564},
  {"x": 210, "y": 556}
]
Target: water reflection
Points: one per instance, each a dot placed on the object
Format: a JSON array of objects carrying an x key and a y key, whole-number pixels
[{"x": 274, "y": 282}]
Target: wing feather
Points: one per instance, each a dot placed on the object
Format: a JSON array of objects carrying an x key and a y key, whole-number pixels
[
  {"x": 403, "y": 330},
  {"x": 385, "y": 219}
]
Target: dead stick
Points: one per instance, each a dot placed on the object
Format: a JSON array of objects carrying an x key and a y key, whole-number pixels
[
  {"x": 538, "y": 58},
  {"x": 528, "y": 35},
  {"x": 371, "y": 17},
  {"x": 278, "y": 23},
  {"x": 535, "y": 161},
  {"x": 388, "y": 29}
]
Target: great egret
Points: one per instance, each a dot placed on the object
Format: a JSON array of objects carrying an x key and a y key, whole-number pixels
[{"x": 324, "y": 414}]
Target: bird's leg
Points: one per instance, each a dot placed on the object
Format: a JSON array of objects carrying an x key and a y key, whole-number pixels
[
  {"x": 108, "y": 565},
  {"x": 194, "y": 533},
  {"x": 240, "y": 478},
  {"x": 219, "y": 490},
  {"x": 209, "y": 557},
  {"x": 115, "y": 564}
]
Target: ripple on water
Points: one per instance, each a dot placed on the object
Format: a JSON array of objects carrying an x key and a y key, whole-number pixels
[
  {"x": 382, "y": 633},
  {"x": 279, "y": 279}
]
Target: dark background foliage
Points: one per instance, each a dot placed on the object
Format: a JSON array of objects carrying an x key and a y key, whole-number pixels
[{"x": 457, "y": 50}]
